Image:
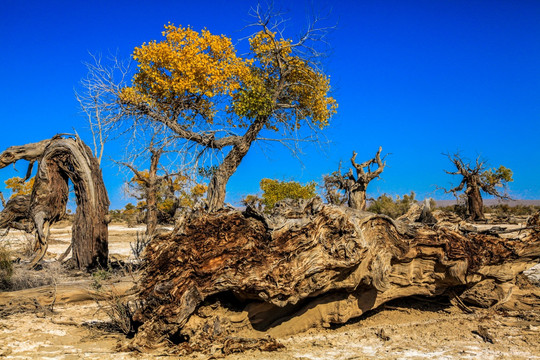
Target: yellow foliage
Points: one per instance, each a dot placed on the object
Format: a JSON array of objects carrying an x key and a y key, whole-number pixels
[
  {"x": 18, "y": 187},
  {"x": 187, "y": 63},
  {"x": 304, "y": 88},
  {"x": 188, "y": 69},
  {"x": 275, "y": 190}
]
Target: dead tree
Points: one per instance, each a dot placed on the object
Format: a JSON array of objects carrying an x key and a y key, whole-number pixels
[
  {"x": 476, "y": 178},
  {"x": 61, "y": 159},
  {"x": 232, "y": 274},
  {"x": 355, "y": 187}
]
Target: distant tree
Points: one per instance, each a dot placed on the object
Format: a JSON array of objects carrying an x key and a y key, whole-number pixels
[
  {"x": 476, "y": 178},
  {"x": 160, "y": 195},
  {"x": 386, "y": 205},
  {"x": 355, "y": 187},
  {"x": 275, "y": 190}
]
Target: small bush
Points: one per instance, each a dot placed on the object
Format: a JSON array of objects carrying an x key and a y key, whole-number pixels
[
  {"x": 505, "y": 210},
  {"x": 120, "y": 312},
  {"x": 140, "y": 244},
  {"x": 386, "y": 205},
  {"x": 275, "y": 190}
]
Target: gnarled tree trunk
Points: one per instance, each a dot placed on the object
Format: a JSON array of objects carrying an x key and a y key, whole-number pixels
[
  {"x": 355, "y": 187},
  {"x": 357, "y": 198},
  {"x": 475, "y": 204},
  {"x": 59, "y": 160},
  {"x": 218, "y": 184},
  {"x": 90, "y": 233},
  {"x": 16, "y": 214}
]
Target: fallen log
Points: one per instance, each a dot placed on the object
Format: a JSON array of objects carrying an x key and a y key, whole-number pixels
[
  {"x": 63, "y": 293},
  {"x": 303, "y": 266}
]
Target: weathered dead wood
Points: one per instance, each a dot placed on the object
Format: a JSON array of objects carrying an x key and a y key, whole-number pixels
[
  {"x": 61, "y": 159},
  {"x": 308, "y": 265},
  {"x": 64, "y": 293},
  {"x": 16, "y": 214},
  {"x": 90, "y": 234}
]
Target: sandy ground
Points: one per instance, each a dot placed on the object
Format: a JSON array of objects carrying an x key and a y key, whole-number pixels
[{"x": 405, "y": 329}]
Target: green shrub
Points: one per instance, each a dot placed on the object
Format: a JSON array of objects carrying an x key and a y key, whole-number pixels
[
  {"x": 386, "y": 205},
  {"x": 275, "y": 190}
]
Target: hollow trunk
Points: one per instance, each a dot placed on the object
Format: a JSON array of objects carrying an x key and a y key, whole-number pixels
[
  {"x": 218, "y": 184},
  {"x": 475, "y": 204},
  {"x": 357, "y": 198},
  {"x": 230, "y": 275}
]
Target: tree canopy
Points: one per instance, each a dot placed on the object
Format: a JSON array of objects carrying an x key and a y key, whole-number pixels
[{"x": 196, "y": 85}]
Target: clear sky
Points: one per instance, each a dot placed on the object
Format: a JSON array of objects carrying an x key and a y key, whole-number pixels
[{"x": 418, "y": 78}]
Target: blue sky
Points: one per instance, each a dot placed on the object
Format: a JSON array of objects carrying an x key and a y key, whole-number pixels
[{"x": 418, "y": 78}]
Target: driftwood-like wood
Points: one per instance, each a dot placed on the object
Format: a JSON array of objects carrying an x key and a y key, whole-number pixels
[
  {"x": 305, "y": 266},
  {"x": 16, "y": 214},
  {"x": 61, "y": 159}
]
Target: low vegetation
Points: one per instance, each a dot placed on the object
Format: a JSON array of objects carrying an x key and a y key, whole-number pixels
[{"x": 394, "y": 208}]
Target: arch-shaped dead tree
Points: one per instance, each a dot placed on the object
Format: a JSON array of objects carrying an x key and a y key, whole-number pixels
[
  {"x": 61, "y": 159},
  {"x": 355, "y": 187},
  {"x": 231, "y": 275}
]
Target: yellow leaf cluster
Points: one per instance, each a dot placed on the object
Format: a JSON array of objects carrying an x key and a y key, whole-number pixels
[
  {"x": 18, "y": 187},
  {"x": 275, "y": 190},
  {"x": 292, "y": 79},
  {"x": 188, "y": 72},
  {"x": 186, "y": 63}
]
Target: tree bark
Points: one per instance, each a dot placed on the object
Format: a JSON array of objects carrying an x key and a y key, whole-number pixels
[
  {"x": 307, "y": 265},
  {"x": 357, "y": 198},
  {"x": 475, "y": 204},
  {"x": 356, "y": 187},
  {"x": 16, "y": 214},
  {"x": 151, "y": 192},
  {"x": 218, "y": 184},
  {"x": 90, "y": 233}
]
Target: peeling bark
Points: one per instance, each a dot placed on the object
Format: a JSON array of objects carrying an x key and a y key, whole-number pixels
[{"x": 306, "y": 266}]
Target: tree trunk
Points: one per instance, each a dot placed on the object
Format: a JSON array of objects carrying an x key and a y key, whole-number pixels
[
  {"x": 151, "y": 195},
  {"x": 90, "y": 233},
  {"x": 16, "y": 214},
  {"x": 357, "y": 198},
  {"x": 475, "y": 204},
  {"x": 235, "y": 275},
  {"x": 218, "y": 184}
]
